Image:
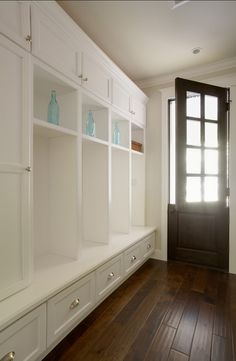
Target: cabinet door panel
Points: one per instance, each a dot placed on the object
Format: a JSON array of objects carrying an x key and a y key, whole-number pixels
[
  {"x": 138, "y": 111},
  {"x": 15, "y": 21},
  {"x": 96, "y": 78},
  {"x": 120, "y": 97},
  {"x": 14, "y": 158},
  {"x": 53, "y": 45}
]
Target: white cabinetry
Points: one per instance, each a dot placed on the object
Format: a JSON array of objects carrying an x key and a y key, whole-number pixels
[
  {"x": 25, "y": 340},
  {"x": 108, "y": 276},
  {"x": 52, "y": 44},
  {"x": 133, "y": 257},
  {"x": 15, "y": 21},
  {"x": 148, "y": 245},
  {"x": 14, "y": 171},
  {"x": 138, "y": 111},
  {"x": 69, "y": 306},
  {"x": 120, "y": 96},
  {"x": 87, "y": 190},
  {"x": 95, "y": 77}
]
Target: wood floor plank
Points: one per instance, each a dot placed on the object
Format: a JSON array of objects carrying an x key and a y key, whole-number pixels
[
  {"x": 177, "y": 356},
  {"x": 200, "y": 280},
  {"x": 221, "y": 349},
  {"x": 201, "y": 347},
  {"x": 143, "y": 340},
  {"x": 222, "y": 322},
  {"x": 161, "y": 344},
  {"x": 185, "y": 332},
  {"x": 173, "y": 316}
]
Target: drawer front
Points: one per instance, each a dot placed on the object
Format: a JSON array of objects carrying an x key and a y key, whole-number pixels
[
  {"x": 108, "y": 276},
  {"x": 133, "y": 257},
  {"x": 26, "y": 338},
  {"x": 148, "y": 245},
  {"x": 69, "y": 306}
]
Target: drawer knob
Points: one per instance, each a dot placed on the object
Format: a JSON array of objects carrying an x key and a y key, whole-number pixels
[
  {"x": 28, "y": 38},
  {"x": 74, "y": 304},
  {"x": 28, "y": 169},
  {"x": 149, "y": 246},
  {"x": 9, "y": 356},
  {"x": 110, "y": 276},
  {"x": 133, "y": 258},
  {"x": 85, "y": 79}
]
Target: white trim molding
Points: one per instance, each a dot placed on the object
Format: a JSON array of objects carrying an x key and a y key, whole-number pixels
[{"x": 194, "y": 72}]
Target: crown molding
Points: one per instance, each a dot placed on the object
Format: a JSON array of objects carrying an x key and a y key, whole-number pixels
[{"x": 194, "y": 72}]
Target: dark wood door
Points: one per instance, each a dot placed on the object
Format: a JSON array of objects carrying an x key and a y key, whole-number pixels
[{"x": 198, "y": 224}]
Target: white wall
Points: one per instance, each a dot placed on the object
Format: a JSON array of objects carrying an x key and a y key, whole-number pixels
[
  {"x": 157, "y": 162},
  {"x": 153, "y": 162}
]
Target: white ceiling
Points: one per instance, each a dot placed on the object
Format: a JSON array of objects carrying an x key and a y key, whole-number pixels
[{"x": 147, "y": 39}]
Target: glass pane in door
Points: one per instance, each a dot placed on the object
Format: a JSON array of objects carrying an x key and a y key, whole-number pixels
[
  {"x": 211, "y": 107},
  {"x": 193, "y": 159},
  {"x": 211, "y": 135},
  {"x": 211, "y": 189},
  {"x": 193, "y": 105},
  {"x": 193, "y": 189},
  {"x": 211, "y": 161},
  {"x": 193, "y": 132}
]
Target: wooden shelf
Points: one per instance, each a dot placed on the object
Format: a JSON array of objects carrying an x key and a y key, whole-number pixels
[{"x": 49, "y": 130}]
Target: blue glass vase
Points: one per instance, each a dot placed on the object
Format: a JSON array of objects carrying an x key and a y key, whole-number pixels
[
  {"x": 90, "y": 125},
  {"x": 53, "y": 109},
  {"x": 116, "y": 135}
]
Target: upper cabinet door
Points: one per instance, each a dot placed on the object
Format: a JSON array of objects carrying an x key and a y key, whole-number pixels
[
  {"x": 15, "y": 21},
  {"x": 52, "y": 44},
  {"x": 120, "y": 96},
  {"x": 138, "y": 111},
  {"x": 96, "y": 78},
  {"x": 14, "y": 168}
]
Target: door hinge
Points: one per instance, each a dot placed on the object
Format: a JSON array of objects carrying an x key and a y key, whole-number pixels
[
  {"x": 227, "y": 106},
  {"x": 227, "y": 192}
]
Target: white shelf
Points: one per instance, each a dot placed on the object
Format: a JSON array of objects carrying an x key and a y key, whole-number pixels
[
  {"x": 120, "y": 147},
  {"x": 48, "y": 130},
  {"x": 136, "y": 152},
  {"x": 94, "y": 139}
]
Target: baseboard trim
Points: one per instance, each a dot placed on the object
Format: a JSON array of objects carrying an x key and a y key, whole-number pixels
[{"x": 158, "y": 255}]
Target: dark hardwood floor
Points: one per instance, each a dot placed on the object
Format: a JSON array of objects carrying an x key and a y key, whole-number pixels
[{"x": 164, "y": 312}]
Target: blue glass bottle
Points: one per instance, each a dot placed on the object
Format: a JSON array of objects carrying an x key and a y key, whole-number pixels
[
  {"x": 53, "y": 109},
  {"x": 116, "y": 134},
  {"x": 90, "y": 125}
]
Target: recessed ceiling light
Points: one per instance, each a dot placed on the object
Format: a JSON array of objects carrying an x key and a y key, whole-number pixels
[{"x": 196, "y": 50}]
